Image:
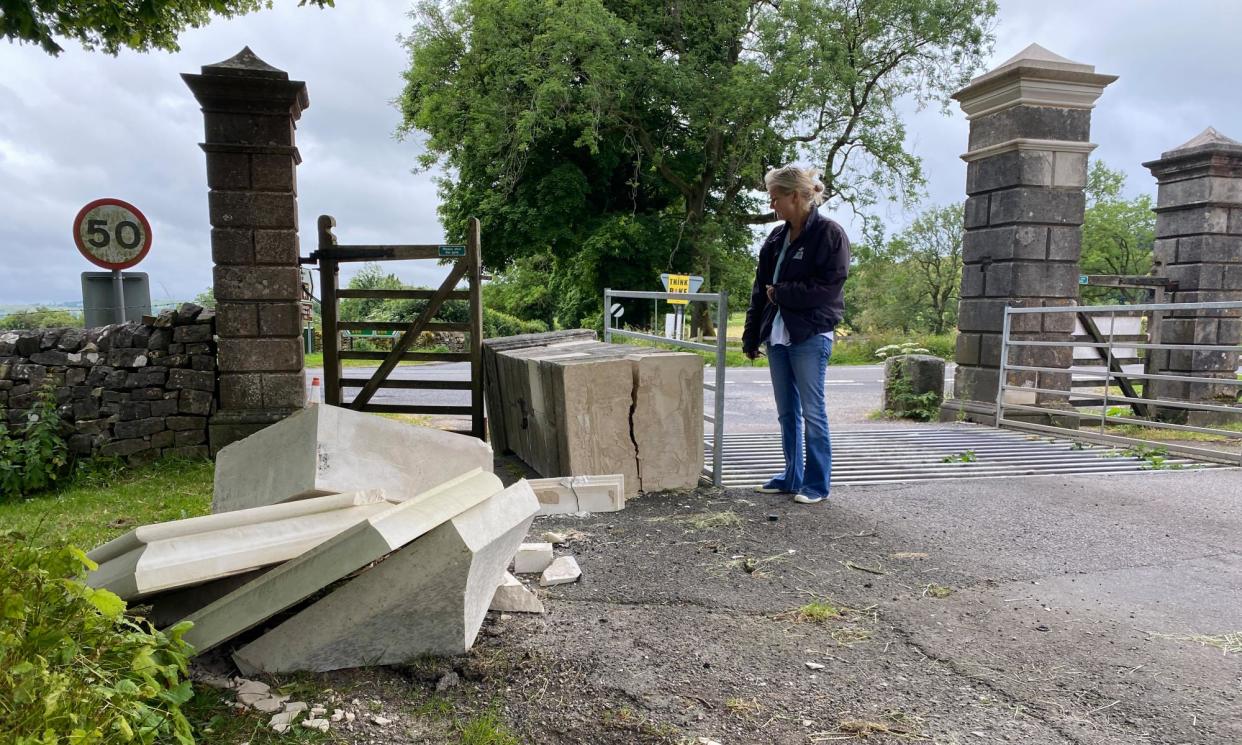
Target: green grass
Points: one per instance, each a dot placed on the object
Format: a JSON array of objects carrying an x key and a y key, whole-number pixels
[
  {"x": 99, "y": 507},
  {"x": 315, "y": 359}
]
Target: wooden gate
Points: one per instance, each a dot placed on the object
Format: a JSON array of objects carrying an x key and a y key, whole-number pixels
[{"x": 330, "y": 256}]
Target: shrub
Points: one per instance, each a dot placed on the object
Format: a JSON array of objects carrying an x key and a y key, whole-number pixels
[
  {"x": 73, "y": 667},
  {"x": 38, "y": 456},
  {"x": 496, "y": 323}
]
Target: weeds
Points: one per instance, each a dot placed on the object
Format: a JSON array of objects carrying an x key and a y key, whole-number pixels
[
  {"x": 966, "y": 456},
  {"x": 937, "y": 591}
]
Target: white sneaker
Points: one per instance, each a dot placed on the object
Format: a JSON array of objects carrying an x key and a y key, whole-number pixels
[{"x": 801, "y": 498}]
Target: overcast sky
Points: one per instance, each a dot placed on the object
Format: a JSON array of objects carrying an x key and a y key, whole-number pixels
[{"x": 86, "y": 125}]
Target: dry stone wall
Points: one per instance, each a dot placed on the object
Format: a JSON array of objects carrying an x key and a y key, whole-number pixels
[{"x": 134, "y": 390}]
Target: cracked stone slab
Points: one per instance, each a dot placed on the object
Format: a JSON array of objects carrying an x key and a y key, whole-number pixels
[
  {"x": 328, "y": 449},
  {"x": 570, "y": 494},
  {"x": 428, "y": 598},
  {"x": 561, "y": 572},
  {"x": 366, "y": 541},
  {"x": 184, "y": 553}
]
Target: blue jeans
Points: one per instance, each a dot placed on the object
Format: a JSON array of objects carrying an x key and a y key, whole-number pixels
[{"x": 798, "y": 382}]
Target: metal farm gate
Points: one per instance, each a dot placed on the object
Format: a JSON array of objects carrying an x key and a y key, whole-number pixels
[{"x": 330, "y": 256}]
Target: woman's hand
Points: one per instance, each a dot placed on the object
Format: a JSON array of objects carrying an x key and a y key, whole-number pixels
[{"x": 772, "y": 294}]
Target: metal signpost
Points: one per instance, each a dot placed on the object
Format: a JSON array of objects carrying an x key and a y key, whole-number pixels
[
  {"x": 114, "y": 235},
  {"x": 680, "y": 284}
]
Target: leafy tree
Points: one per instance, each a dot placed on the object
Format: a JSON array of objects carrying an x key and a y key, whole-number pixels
[
  {"x": 39, "y": 318},
  {"x": 625, "y": 138},
  {"x": 931, "y": 249},
  {"x": 206, "y": 298},
  {"x": 911, "y": 281},
  {"x": 1117, "y": 233},
  {"x": 109, "y": 25}
]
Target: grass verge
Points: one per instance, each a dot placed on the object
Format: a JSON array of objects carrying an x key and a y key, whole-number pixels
[{"x": 100, "y": 506}]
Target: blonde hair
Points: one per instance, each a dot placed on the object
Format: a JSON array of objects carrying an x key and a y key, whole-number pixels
[{"x": 794, "y": 180}]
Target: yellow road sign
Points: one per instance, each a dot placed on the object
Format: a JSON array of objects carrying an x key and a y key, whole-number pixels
[{"x": 679, "y": 283}]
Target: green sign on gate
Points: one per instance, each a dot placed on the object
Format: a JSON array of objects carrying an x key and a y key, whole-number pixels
[{"x": 451, "y": 251}]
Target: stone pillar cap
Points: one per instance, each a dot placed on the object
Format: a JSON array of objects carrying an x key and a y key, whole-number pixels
[
  {"x": 1208, "y": 139},
  {"x": 244, "y": 82},
  {"x": 245, "y": 64},
  {"x": 1036, "y": 77},
  {"x": 1208, "y": 152}
]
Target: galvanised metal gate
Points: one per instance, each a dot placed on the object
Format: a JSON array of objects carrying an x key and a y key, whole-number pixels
[{"x": 1023, "y": 397}]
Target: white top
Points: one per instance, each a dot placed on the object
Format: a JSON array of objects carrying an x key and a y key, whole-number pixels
[{"x": 780, "y": 335}]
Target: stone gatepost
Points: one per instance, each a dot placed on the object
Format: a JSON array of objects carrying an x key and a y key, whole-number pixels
[
  {"x": 1030, "y": 121},
  {"x": 1199, "y": 244},
  {"x": 249, "y": 111}
]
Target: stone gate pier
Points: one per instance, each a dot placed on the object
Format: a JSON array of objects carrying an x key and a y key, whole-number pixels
[
  {"x": 1030, "y": 124},
  {"x": 1199, "y": 244},
  {"x": 249, "y": 111}
]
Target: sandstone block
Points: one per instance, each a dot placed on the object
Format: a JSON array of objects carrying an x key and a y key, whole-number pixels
[
  {"x": 182, "y": 553},
  {"x": 513, "y": 597},
  {"x": 532, "y": 558},
  {"x": 561, "y": 572},
  {"x": 327, "y": 449}
]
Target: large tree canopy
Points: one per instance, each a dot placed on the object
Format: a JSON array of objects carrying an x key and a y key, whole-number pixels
[
  {"x": 111, "y": 25},
  {"x": 1117, "y": 234},
  {"x": 627, "y": 137}
]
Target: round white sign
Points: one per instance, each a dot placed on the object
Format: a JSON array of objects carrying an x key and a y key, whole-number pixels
[{"x": 112, "y": 234}]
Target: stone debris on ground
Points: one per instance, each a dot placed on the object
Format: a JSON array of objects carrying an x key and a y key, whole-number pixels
[
  {"x": 532, "y": 558},
  {"x": 562, "y": 571},
  {"x": 514, "y": 597},
  {"x": 580, "y": 495}
]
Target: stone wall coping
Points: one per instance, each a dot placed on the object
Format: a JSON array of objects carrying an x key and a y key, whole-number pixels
[
  {"x": 1032, "y": 85},
  {"x": 1027, "y": 143}
]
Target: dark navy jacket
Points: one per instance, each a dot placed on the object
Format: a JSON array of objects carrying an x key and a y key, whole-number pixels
[{"x": 810, "y": 292}]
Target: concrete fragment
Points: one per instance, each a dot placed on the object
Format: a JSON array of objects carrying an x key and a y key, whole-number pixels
[
  {"x": 512, "y": 596},
  {"x": 328, "y": 449},
  {"x": 294, "y": 707},
  {"x": 814, "y": 666},
  {"x": 281, "y": 722},
  {"x": 269, "y": 704},
  {"x": 571, "y": 494},
  {"x": 316, "y": 724},
  {"x": 532, "y": 558},
  {"x": 381, "y": 721},
  {"x": 365, "y": 542},
  {"x": 337, "y": 715},
  {"x": 251, "y": 687},
  {"x": 562, "y": 571},
  {"x": 551, "y": 536},
  {"x": 187, "y": 552},
  {"x": 429, "y": 598}
]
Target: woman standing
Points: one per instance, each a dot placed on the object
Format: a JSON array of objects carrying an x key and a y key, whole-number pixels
[{"x": 795, "y": 304}]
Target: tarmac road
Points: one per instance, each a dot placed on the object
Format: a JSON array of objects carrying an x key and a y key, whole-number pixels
[{"x": 852, "y": 391}]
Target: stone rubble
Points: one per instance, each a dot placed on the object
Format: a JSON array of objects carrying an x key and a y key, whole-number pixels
[{"x": 562, "y": 571}]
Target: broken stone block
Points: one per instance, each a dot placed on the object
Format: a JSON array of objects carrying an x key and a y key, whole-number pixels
[
  {"x": 188, "y": 552},
  {"x": 551, "y": 536},
  {"x": 570, "y": 494},
  {"x": 561, "y": 572},
  {"x": 513, "y": 597},
  {"x": 366, "y": 541},
  {"x": 252, "y": 688},
  {"x": 328, "y": 449},
  {"x": 267, "y": 704},
  {"x": 667, "y": 421},
  {"x": 317, "y": 724},
  {"x": 532, "y": 558},
  {"x": 429, "y": 598},
  {"x": 280, "y": 722}
]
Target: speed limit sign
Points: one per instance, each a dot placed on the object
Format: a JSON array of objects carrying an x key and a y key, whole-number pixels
[{"x": 112, "y": 234}]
